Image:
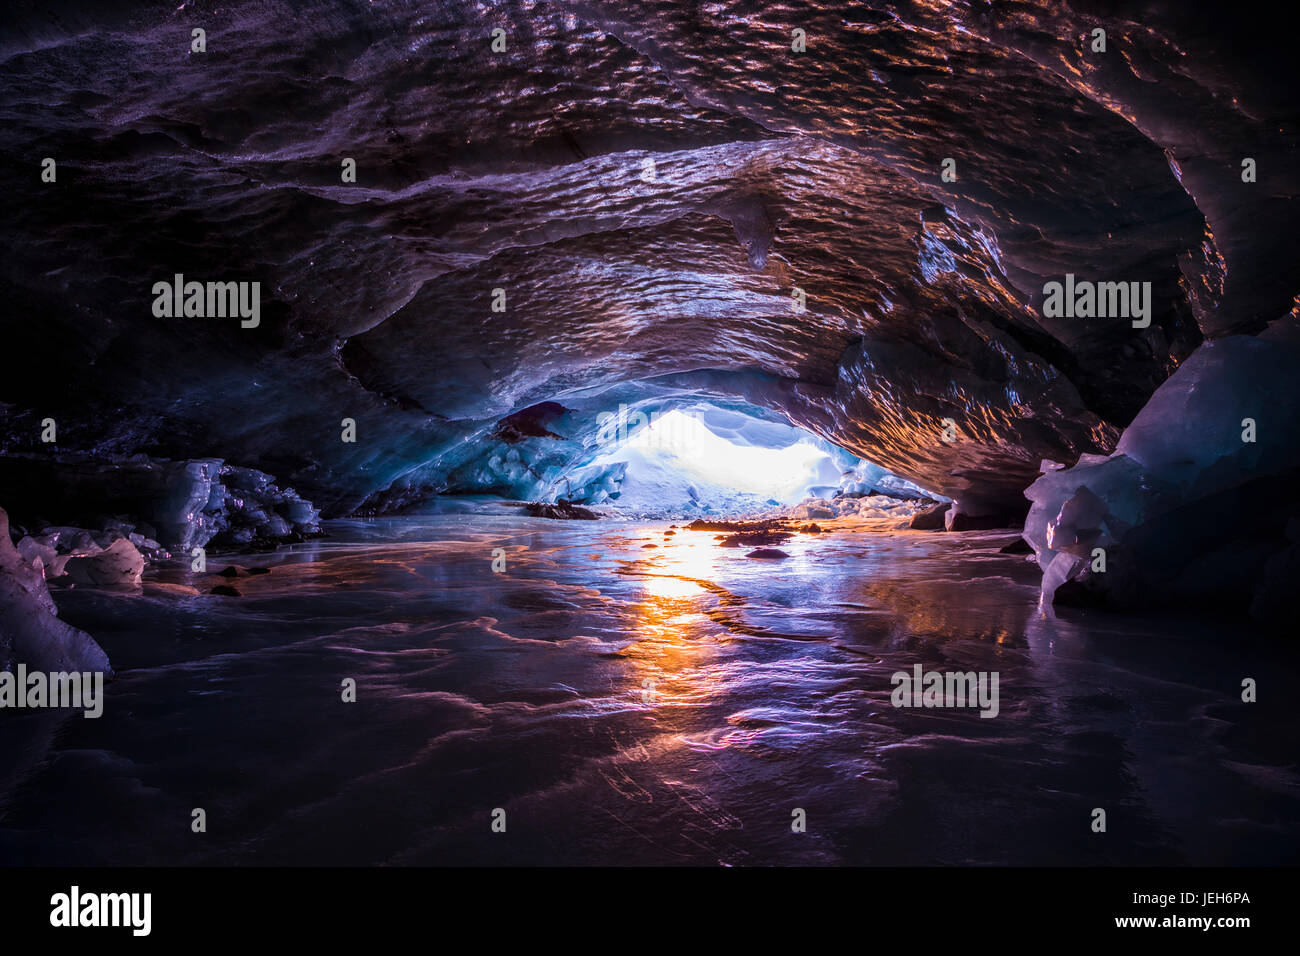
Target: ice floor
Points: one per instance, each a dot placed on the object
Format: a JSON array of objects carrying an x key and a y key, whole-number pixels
[{"x": 526, "y": 691}]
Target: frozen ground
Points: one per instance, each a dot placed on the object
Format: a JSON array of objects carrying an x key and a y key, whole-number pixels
[{"x": 524, "y": 690}]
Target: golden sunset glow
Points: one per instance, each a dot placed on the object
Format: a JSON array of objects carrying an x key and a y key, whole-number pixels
[{"x": 671, "y": 620}]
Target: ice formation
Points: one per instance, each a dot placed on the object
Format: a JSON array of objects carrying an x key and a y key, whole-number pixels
[
  {"x": 32, "y": 632},
  {"x": 652, "y": 214},
  {"x": 1197, "y": 503},
  {"x": 164, "y": 507}
]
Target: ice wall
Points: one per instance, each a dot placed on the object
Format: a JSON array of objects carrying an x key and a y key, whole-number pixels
[
  {"x": 1197, "y": 504},
  {"x": 178, "y": 504}
]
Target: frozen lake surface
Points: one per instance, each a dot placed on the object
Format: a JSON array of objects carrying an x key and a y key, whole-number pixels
[{"x": 768, "y": 691}]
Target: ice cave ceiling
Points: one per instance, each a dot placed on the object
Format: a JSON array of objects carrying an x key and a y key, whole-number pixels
[{"x": 649, "y": 183}]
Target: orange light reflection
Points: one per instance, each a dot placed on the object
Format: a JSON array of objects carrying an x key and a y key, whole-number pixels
[{"x": 672, "y": 621}]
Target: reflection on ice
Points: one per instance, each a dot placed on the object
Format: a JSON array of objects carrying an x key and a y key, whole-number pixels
[{"x": 649, "y": 705}]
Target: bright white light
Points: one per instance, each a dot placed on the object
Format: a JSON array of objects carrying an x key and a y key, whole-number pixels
[{"x": 681, "y": 442}]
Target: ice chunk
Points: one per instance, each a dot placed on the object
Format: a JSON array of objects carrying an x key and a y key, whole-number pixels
[
  {"x": 1225, "y": 424},
  {"x": 30, "y": 630},
  {"x": 118, "y": 565}
]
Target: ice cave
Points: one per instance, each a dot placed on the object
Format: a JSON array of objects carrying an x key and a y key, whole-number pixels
[{"x": 587, "y": 411}]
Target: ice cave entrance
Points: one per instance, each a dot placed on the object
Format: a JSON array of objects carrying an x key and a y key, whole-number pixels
[{"x": 678, "y": 462}]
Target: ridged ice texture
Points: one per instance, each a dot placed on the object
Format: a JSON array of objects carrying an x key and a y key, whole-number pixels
[{"x": 526, "y": 170}]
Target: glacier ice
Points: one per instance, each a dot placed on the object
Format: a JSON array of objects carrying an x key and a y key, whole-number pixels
[
  {"x": 32, "y": 632},
  {"x": 170, "y": 506},
  {"x": 1193, "y": 504}
]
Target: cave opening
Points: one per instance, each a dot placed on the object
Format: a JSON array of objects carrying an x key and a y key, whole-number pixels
[
  {"x": 685, "y": 456},
  {"x": 678, "y": 460}
]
